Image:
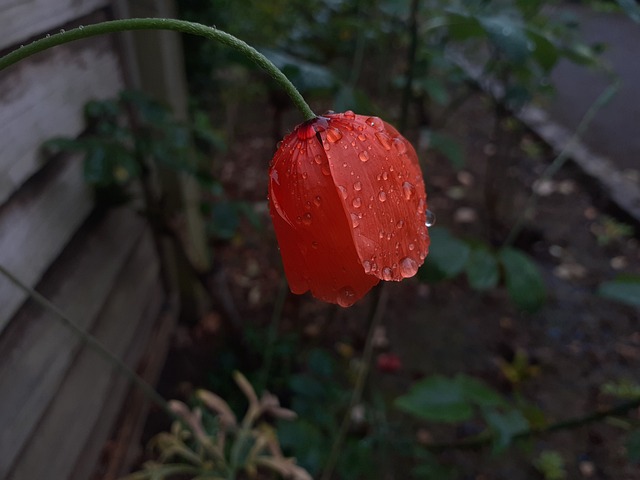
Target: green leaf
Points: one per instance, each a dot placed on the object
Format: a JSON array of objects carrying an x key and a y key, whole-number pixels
[
  {"x": 448, "y": 147},
  {"x": 447, "y": 256},
  {"x": 523, "y": 280},
  {"x": 545, "y": 52},
  {"x": 507, "y": 34},
  {"x": 482, "y": 269},
  {"x": 631, "y": 8},
  {"x": 625, "y": 289},
  {"x": 633, "y": 447},
  {"x": 438, "y": 399},
  {"x": 451, "y": 400},
  {"x": 505, "y": 426}
]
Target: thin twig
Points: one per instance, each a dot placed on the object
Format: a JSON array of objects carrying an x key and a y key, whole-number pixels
[
  {"x": 91, "y": 341},
  {"x": 485, "y": 438},
  {"x": 272, "y": 334},
  {"x": 563, "y": 156},
  {"x": 377, "y": 313}
]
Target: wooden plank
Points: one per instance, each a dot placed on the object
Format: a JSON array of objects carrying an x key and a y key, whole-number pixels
[
  {"x": 89, "y": 386},
  {"x": 21, "y": 19},
  {"x": 133, "y": 413},
  {"x": 33, "y": 110},
  {"x": 36, "y": 349},
  {"x": 130, "y": 414},
  {"x": 36, "y": 225}
]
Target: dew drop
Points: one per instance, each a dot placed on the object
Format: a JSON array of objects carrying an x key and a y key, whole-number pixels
[
  {"x": 318, "y": 159},
  {"x": 400, "y": 224},
  {"x": 408, "y": 190},
  {"x": 306, "y": 218},
  {"x": 385, "y": 176},
  {"x": 62, "y": 30},
  {"x": 387, "y": 274},
  {"x": 401, "y": 147},
  {"x": 317, "y": 201},
  {"x": 412, "y": 246},
  {"x": 384, "y": 140},
  {"x": 343, "y": 191},
  {"x": 333, "y": 135},
  {"x": 314, "y": 245},
  {"x": 363, "y": 156},
  {"x": 382, "y": 196},
  {"x": 357, "y": 202},
  {"x": 421, "y": 206},
  {"x": 408, "y": 267},
  {"x": 431, "y": 219},
  {"x": 355, "y": 221},
  {"x": 305, "y": 175},
  {"x": 346, "y": 297},
  {"x": 381, "y": 234},
  {"x": 362, "y": 137},
  {"x": 349, "y": 114},
  {"x": 357, "y": 186},
  {"x": 367, "y": 266},
  {"x": 325, "y": 169},
  {"x": 375, "y": 122}
]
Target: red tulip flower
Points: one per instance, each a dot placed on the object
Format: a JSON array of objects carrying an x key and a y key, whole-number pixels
[{"x": 348, "y": 205}]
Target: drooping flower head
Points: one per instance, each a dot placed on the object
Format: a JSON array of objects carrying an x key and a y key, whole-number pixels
[{"x": 348, "y": 204}]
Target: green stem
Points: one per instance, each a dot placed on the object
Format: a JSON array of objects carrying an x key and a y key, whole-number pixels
[
  {"x": 375, "y": 318},
  {"x": 486, "y": 437},
  {"x": 563, "y": 156},
  {"x": 181, "y": 26}
]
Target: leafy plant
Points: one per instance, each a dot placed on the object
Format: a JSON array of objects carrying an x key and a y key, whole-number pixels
[
  {"x": 450, "y": 256},
  {"x": 220, "y": 447},
  {"x": 551, "y": 465}
]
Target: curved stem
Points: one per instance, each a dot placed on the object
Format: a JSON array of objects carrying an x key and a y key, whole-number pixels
[{"x": 181, "y": 26}]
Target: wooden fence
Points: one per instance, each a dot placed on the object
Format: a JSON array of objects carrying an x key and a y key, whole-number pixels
[{"x": 59, "y": 399}]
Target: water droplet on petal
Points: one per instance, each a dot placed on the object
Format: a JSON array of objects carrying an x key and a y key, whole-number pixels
[
  {"x": 343, "y": 191},
  {"x": 431, "y": 219},
  {"x": 384, "y": 140},
  {"x": 412, "y": 246},
  {"x": 325, "y": 169},
  {"x": 317, "y": 201},
  {"x": 333, "y": 135},
  {"x": 355, "y": 221},
  {"x": 401, "y": 147},
  {"x": 387, "y": 274},
  {"x": 367, "y": 266},
  {"x": 363, "y": 156},
  {"x": 346, "y": 297},
  {"x": 400, "y": 224},
  {"x": 382, "y": 196},
  {"x": 306, "y": 218},
  {"x": 349, "y": 114},
  {"x": 318, "y": 159},
  {"x": 421, "y": 206},
  {"x": 314, "y": 245},
  {"x": 408, "y": 190},
  {"x": 375, "y": 122},
  {"x": 357, "y": 202},
  {"x": 408, "y": 267},
  {"x": 305, "y": 175},
  {"x": 357, "y": 186},
  {"x": 362, "y": 137}
]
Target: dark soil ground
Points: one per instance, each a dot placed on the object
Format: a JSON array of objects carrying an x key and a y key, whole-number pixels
[{"x": 573, "y": 345}]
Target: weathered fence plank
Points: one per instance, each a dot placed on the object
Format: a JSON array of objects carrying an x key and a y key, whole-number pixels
[
  {"x": 36, "y": 349},
  {"x": 22, "y": 19},
  {"x": 88, "y": 387},
  {"x": 44, "y": 97}
]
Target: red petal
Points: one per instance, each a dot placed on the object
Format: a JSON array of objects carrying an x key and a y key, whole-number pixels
[
  {"x": 378, "y": 173},
  {"x": 311, "y": 224}
]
